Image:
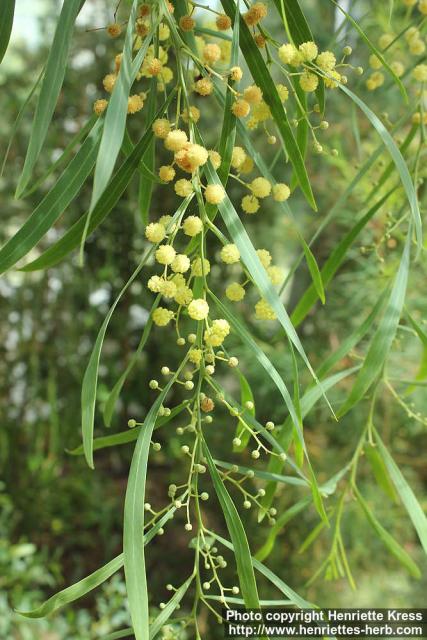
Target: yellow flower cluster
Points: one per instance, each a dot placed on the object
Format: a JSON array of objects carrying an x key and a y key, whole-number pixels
[
  {"x": 215, "y": 335},
  {"x": 236, "y": 291},
  {"x": 308, "y": 53},
  {"x": 262, "y": 188}
]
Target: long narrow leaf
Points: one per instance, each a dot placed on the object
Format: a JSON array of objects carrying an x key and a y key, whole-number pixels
[
  {"x": 237, "y": 534},
  {"x": 134, "y": 515},
  {"x": 87, "y": 584},
  {"x": 90, "y": 379},
  {"x": 392, "y": 545},
  {"x": 108, "y": 200},
  {"x": 51, "y": 86},
  {"x": 170, "y": 607},
  {"x": 273, "y": 578},
  {"x": 333, "y": 263},
  {"x": 383, "y": 338},
  {"x": 6, "y": 23},
  {"x": 410, "y": 502},
  {"x": 398, "y": 160},
  {"x": 54, "y": 203}
]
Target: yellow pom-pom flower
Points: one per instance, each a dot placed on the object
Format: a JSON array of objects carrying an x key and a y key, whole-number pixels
[
  {"x": 114, "y": 30},
  {"x": 154, "y": 67},
  {"x": 162, "y": 317},
  {"x": 187, "y": 23},
  {"x": 214, "y": 194},
  {"x": 176, "y": 140},
  {"x": 250, "y": 204},
  {"x": 161, "y": 128},
  {"x": 166, "y": 173},
  {"x": 261, "y": 187},
  {"x": 109, "y": 81},
  {"x": 215, "y": 158},
  {"x": 203, "y": 87},
  {"x": 308, "y": 81},
  {"x": 308, "y": 51},
  {"x": 223, "y": 22},
  {"x": 326, "y": 61},
  {"x": 183, "y": 295},
  {"x": 211, "y": 53},
  {"x": 252, "y": 94},
  {"x": 264, "y": 311},
  {"x": 192, "y": 114},
  {"x": 420, "y": 73},
  {"x": 238, "y": 157},
  {"x": 283, "y": 92},
  {"x": 398, "y": 68},
  {"x": 199, "y": 268},
  {"x": 197, "y": 156},
  {"x": 195, "y": 356},
  {"x": 230, "y": 254},
  {"x": 165, "y": 254},
  {"x": 417, "y": 47},
  {"x": 236, "y": 74},
  {"x": 215, "y": 335},
  {"x": 164, "y": 32},
  {"x": 135, "y": 104},
  {"x": 181, "y": 263},
  {"x": 281, "y": 192},
  {"x": 264, "y": 257},
  {"x": 247, "y": 166},
  {"x": 235, "y": 292},
  {"x": 241, "y": 108},
  {"x": 289, "y": 54},
  {"x": 275, "y": 274},
  {"x": 99, "y": 106},
  {"x": 167, "y": 288},
  {"x": 154, "y": 284},
  {"x": 192, "y": 225},
  {"x": 198, "y": 309},
  {"x": 155, "y": 232},
  {"x": 183, "y": 188}
]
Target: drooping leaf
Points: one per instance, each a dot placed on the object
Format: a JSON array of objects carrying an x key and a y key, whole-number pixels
[
  {"x": 272, "y": 577},
  {"x": 90, "y": 379},
  {"x": 410, "y": 502},
  {"x": 333, "y": 263},
  {"x": 392, "y": 545},
  {"x": 51, "y": 86},
  {"x": 76, "y": 591},
  {"x": 124, "y": 437},
  {"x": 299, "y": 31},
  {"x": 146, "y": 186},
  {"x": 308, "y": 401},
  {"x": 380, "y": 471},
  {"x": 54, "y": 203},
  {"x": 398, "y": 160},
  {"x": 6, "y": 23},
  {"x": 87, "y": 584},
  {"x": 170, "y": 607},
  {"x": 383, "y": 338},
  {"x": 237, "y": 533},
  {"x": 134, "y": 520},
  {"x": 108, "y": 200}
]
